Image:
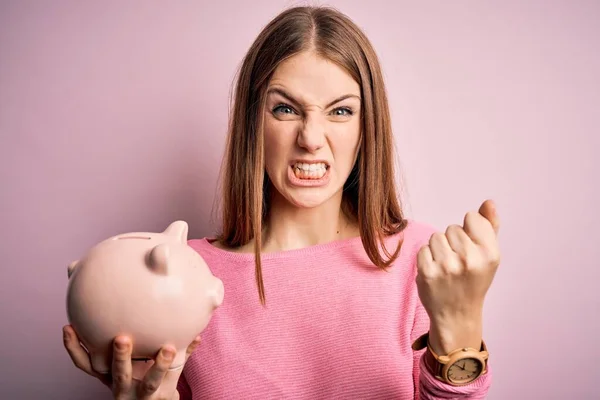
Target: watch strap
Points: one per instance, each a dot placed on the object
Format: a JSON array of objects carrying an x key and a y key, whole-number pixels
[
  {"x": 430, "y": 358},
  {"x": 432, "y": 364}
]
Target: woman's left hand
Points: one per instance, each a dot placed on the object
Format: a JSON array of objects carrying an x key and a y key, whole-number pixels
[{"x": 455, "y": 271}]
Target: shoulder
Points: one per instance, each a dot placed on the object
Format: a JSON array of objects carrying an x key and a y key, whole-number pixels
[
  {"x": 417, "y": 234},
  {"x": 208, "y": 248},
  {"x": 419, "y": 229},
  {"x": 216, "y": 255}
]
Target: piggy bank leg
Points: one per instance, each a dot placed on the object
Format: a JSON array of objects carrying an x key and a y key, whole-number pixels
[
  {"x": 140, "y": 367},
  {"x": 169, "y": 382},
  {"x": 101, "y": 362},
  {"x": 179, "y": 360}
]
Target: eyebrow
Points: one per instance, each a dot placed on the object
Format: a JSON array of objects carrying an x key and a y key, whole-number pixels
[{"x": 290, "y": 98}]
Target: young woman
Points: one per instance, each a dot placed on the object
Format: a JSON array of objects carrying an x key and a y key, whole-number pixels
[{"x": 330, "y": 291}]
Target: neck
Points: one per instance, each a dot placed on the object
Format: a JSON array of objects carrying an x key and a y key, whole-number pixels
[{"x": 289, "y": 227}]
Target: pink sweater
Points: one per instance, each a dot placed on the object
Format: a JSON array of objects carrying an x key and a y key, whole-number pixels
[{"x": 335, "y": 327}]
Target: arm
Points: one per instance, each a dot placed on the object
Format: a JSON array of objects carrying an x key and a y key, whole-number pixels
[
  {"x": 185, "y": 392},
  {"x": 427, "y": 387},
  {"x": 454, "y": 272}
]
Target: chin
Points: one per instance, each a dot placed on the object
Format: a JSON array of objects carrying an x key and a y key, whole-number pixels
[
  {"x": 309, "y": 200},
  {"x": 307, "y": 203}
]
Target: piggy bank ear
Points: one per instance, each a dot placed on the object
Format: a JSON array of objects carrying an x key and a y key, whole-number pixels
[
  {"x": 71, "y": 268},
  {"x": 179, "y": 230},
  {"x": 158, "y": 259},
  {"x": 217, "y": 293}
]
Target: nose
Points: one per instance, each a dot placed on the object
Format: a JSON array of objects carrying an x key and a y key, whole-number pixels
[{"x": 312, "y": 134}]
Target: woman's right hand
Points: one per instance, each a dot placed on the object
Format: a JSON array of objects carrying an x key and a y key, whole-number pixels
[{"x": 120, "y": 380}]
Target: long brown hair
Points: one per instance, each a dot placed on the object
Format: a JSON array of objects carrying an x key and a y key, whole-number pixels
[{"x": 370, "y": 196}]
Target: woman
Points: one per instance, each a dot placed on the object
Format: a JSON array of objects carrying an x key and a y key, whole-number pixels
[{"x": 330, "y": 291}]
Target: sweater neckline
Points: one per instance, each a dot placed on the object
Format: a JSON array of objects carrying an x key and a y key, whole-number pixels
[{"x": 206, "y": 243}]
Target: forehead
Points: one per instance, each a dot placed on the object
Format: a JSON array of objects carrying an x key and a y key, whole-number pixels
[{"x": 312, "y": 78}]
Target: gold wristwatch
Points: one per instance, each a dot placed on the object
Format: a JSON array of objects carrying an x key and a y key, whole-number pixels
[{"x": 459, "y": 367}]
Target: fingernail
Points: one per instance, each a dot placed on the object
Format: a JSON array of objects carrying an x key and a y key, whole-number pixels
[
  {"x": 167, "y": 353},
  {"x": 66, "y": 334},
  {"x": 121, "y": 343}
]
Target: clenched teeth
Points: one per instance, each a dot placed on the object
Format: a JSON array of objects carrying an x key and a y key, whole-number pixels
[{"x": 310, "y": 171}]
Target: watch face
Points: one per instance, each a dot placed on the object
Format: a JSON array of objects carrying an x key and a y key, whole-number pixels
[{"x": 464, "y": 370}]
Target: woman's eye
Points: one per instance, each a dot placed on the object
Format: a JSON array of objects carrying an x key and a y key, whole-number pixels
[
  {"x": 342, "y": 111},
  {"x": 283, "y": 109}
]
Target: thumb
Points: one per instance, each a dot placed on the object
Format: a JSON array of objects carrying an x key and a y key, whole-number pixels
[
  {"x": 488, "y": 211},
  {"x": 192, "y": 346}
]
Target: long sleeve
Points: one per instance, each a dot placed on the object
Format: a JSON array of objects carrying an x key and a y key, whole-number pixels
[
  {"x": 185, "y": 392},
  {"x": 335, "y": 327},
  {"x": 427, "y": 387}
]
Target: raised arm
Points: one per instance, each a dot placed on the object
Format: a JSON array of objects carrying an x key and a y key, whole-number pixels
[{"x": 454, "y": 272}]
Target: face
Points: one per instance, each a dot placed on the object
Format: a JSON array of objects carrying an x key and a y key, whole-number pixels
[{"x": 312, "y": 129}]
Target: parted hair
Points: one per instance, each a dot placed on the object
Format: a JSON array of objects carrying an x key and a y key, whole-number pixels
[{"x": 370, "y": 194}]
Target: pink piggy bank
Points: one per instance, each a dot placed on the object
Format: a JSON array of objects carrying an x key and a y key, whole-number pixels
[{"x": 150, "y": 286}]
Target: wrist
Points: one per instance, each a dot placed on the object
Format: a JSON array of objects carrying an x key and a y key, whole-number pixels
[
  {"x": 459, "y": 367},
  {"x": 446, "y": 337}
]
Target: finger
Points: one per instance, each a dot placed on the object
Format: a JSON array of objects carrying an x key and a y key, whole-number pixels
[
  {"x": 440, "y": 248},
  {"x": 479, "y": 229},
  {"x": 425, "y": 262},
  {"x": 78, "y": 355},
  {"x": 157, "y": 372},
  {"x": 121, "y": 365},
  {"x": 424, "y": 256},
  {"x": 458, "y": 240},
  {"x": 489, "y": 212},
  {"x": 190, "y": 349}
]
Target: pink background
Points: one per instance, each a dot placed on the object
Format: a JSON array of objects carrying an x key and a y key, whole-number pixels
[{"x": 113, "y": 118}]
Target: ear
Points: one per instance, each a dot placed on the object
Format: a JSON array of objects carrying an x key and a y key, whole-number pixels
[
  {"x": 71, "y": 268},
  {"x": 178, "y": 229},
  {"x": 217, "y": 293},
  {"x": 158, "y": 259}
]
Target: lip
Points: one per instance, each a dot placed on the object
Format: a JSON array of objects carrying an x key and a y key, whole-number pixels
[{"x": 295, "y": 181}]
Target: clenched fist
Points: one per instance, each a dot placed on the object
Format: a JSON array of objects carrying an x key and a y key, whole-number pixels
[{"x": 455, "y": 271}]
